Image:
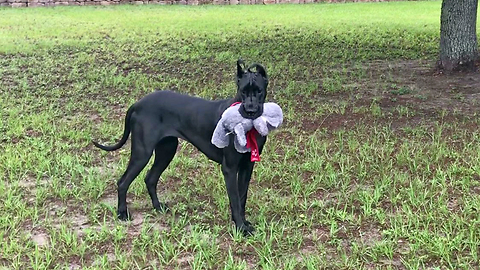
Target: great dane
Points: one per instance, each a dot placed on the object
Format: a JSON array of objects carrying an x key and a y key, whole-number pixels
[{"x": 157, "y": 121}]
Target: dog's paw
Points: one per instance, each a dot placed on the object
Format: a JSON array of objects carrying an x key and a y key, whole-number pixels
[
  {"x": 162, "y": 208},
  {"x": 249, "y": 225},
  {"x": 246, "y": 230},
  {"x": 124, "y": 216}
]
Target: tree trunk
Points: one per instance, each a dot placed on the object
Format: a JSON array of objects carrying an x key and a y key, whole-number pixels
[{"x": 458, "y": 38}]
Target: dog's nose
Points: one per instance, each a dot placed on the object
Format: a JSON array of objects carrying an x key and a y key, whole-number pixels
[{"x": 250, "y": 108}]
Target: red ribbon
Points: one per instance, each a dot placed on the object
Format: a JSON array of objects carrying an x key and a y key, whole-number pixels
[{"x": 251, "y": 141}]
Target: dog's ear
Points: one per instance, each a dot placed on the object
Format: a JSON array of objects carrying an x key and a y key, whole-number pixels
[
  {"x": 240, "y": 69},
  {"x": 261, "y": 70}
]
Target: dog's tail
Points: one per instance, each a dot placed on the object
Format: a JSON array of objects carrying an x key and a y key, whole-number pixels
[{"x": 122, "y": 141}]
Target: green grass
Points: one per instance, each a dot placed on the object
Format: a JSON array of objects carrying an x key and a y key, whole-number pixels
[{"x": 372, "y": 168}]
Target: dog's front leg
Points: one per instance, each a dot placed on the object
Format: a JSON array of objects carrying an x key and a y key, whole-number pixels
[
  {"x": 244, "y": 176},
  {"x": 230, "y": 171}
]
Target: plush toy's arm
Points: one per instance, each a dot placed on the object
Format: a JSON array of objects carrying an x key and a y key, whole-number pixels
[
  {"x": 240, "y": 135},
  {"x": 273, "y": 123},
  {"x": 271, "y": 118},
  {"x": 261, "y": 125},
  {"x": 240, "y": 148},
  {"x": 220, "y": 136}
]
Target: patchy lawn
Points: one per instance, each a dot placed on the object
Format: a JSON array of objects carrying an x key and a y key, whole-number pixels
[{"x": 376, "y": 166}]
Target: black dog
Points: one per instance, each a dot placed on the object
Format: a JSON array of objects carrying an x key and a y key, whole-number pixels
[{"x": 160, "y": 118}]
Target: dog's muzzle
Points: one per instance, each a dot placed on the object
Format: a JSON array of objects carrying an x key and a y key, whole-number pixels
[{"x": 251, "y": 111}]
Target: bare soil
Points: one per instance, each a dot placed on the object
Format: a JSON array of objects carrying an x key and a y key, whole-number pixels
[{"x": 430, "y": 95}]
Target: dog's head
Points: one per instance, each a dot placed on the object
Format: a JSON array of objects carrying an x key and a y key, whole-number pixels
[{"x": 252, "y": 85}]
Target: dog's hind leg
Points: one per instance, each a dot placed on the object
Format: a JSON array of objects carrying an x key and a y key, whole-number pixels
[
  {"x": 135, "y": 166},
  {"x": 164, "y": 153},
  {"x": 143, "y": 143}
]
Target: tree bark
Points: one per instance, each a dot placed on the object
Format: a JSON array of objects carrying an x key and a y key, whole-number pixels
[{"x": 458, "y": 37}]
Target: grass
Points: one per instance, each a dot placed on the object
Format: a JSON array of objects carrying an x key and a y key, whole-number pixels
[{"x": 376, "y": 166}]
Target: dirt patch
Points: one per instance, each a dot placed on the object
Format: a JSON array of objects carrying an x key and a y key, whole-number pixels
[
  {"x": 30, "y": 183},
  {"x": 333, "y": 121},
  {"x": 40, "y": 239},
  {"x": 184, "y": 260},
  {"x": 417, "y": 84},
  {"x": 370, "y": 236},
  {"x": 405, "y": 93}
]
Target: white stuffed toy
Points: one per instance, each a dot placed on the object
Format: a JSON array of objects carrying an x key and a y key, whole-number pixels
[{"x": 233, "y": 122}]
